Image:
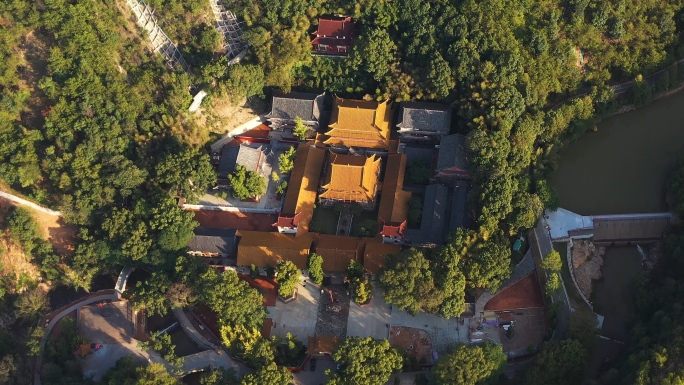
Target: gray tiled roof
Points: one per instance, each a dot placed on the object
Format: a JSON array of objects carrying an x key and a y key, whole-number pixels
[
  {"x": 452, "y": 152},
  {"x": 434, "y": 215},
  {"x": 457, "y": 217},
  {"x": 297, "y": 104},
  {"x": 425, "y": 117},
  {"x": 416, "y": 152},
  {"x": 243, "y": 155},
  {"x": 213, "y": 240}
]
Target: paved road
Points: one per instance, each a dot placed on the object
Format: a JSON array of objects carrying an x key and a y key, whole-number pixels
[
  {"x": 123, "y": 278},
  {"x": 190, "y": 330},
  {"x": 241, "y": 129},
  {"x": 221, "y": 359},
  {"x": 544, "y": 247},
  {"x": 22, "y": 201},
  {"x": 111, "y": 297},
  {"x": 199, "y": 361}
]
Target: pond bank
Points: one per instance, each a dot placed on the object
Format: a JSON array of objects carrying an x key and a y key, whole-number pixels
[{"x": 622, "y": 167}]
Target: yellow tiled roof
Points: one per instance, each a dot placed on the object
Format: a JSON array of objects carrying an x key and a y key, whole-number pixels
[
  {"x": 267, "y": 249},
  {"x": 375, "y": 253},
  {"x": 301, "y": 193},
  {"x": 338, "y": 250},
  {"x": 394, "y": 200},
  {"x": 351, "y": 178},
  {"x": 360, "y": 123}
]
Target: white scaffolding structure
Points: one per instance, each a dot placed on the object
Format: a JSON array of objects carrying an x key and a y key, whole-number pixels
[
  {"x": 229, "y": 26},
  {"x": 160, "y": 42}
]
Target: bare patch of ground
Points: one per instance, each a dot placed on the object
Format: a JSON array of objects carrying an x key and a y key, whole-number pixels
[
  {"x": 416, "y": 342},
  {"x": 52, "y": 228},
  {"x": 220, "y": 115},
  {"x": 587, "y": 260},
  {"x": 14, "y": 261},
  {"x": 110, "y": 325},
  {"x": 529, "y": 328}
]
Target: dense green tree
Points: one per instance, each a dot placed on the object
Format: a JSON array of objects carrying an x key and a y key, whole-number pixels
[
  {"x": 23, "y": 228},
  {"x": 440, "y": 78},
  {"x": 151, "y": 294},
  {"x": 374, "y": 52},
  {"x": 242, "y": 81},
  {"x": 233, "y": 299},
  {"x": 315, "y": 267},
  {"x": 558, "y": 363},
  {"x": 553, "y": 283},
  {"x": 552, "y": 261},
  {"x": 469, "y": 365},
  {"x": 270, "y": 374},
  {"x": 487, "y": 263},
  {"x": 179, "y": 295},
  {"x": 448, "y": 275},
  {"x": 286, "y": 160},
  {"x": 154, "y": 374},
  {"x": 248, "y": 344},
  {"x": 187, "y": 172},
  {"x": 363, "y": 289},
  {"x": 31, "y": 304},
  {"x": 220, "y": 376},
  {"x": 365, "y": 361},
  {"x": 246, "y": 184},
  {"x": 288, "y": 278},
  {"x": 367, "y": 228},
  {"x": 408, "y": 281},
  {"x": 420, "y": 172},
  {"x": 300, "y": 131},
  {"x": 161, "y": 343},
  {"x": 281, "y": 187}
]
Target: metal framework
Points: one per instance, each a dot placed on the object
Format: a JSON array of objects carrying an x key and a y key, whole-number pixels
[
  {"x": 160, "y": 42},
  {"x": 229, "y": 26}
]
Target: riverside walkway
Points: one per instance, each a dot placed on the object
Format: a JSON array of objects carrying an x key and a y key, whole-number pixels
[{"x": 618, "y": 229}]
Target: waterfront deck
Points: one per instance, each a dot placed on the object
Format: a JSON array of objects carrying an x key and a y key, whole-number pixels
[
  {"x": 630, "y": 230},
  {"x": 609, "y": 229}
]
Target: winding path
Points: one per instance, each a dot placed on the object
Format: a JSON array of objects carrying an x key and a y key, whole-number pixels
[
  {"x": 543, "y": 247},
  {"x": 54, "y": 317},
  {"x": 24, "y": 202}
]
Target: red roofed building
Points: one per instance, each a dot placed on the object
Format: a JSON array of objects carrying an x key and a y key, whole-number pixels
[{"x": 333, "y": 36}]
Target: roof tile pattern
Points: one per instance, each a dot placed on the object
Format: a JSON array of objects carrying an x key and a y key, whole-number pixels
[
  {"x": 359, "y": 123},
  {"x": 394, "y": 200},
  {"x": 301, "y": 193},
  {"x": 526, "y": 293},
  {"x": 267, "y": 249},
  {"x": 288, "y": 107},
  {"x": 338, "y": 251},
  {"x": 213, "y": 240},
  {"x": 335, "y": 27},
  {"x": 375, "y": 253},
  {"x": 351, "y": 178},
  {"x": 452, "y": 158},
  {"x": 425, "y": 117},
  {"x": 249, "y": 156}
]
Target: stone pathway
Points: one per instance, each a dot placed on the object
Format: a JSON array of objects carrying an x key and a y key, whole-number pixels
[
  {"x": 22, "y": 201},
  {"x": 333, "y": 316}
]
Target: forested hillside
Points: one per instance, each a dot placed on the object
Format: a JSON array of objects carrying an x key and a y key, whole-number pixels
[{"x": 506, "y": 67}]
